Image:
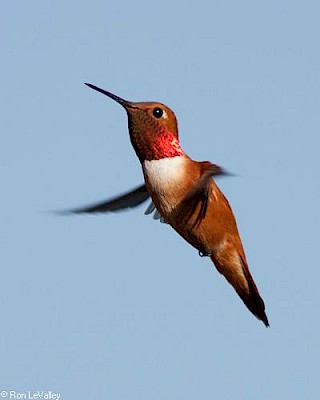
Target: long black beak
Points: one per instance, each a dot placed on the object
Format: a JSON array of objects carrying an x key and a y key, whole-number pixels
[{"x": 118, "y": 99}]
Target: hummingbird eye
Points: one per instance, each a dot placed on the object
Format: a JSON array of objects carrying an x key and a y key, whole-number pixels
[{"x": 157, "y": 112}]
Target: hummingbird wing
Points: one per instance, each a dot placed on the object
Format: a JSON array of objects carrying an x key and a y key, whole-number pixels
[
  {"x": 123, "y": 202},
  {"x": 198, "y": 195}
]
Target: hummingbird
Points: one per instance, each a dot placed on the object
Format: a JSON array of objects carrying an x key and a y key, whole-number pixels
[{"x": 183, "y": 194}]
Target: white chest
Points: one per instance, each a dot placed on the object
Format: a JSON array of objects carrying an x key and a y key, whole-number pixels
[
  {"x": 165, "y": 176},
  {"x": 164, "y": 173}
]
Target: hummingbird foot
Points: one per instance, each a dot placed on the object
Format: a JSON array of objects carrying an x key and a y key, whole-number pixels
[{"x": 204, "y": 253}]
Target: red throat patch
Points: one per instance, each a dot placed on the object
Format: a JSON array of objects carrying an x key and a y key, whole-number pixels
[{"x": 166, "y": 146}]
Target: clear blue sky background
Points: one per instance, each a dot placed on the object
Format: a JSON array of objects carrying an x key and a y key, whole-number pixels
[{"x": 119, "y": 306}]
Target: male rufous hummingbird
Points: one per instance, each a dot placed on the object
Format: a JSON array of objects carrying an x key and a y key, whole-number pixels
[{"x": 184, "y": 195}]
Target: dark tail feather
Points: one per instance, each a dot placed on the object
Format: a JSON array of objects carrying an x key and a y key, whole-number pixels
[
  {"x": 253, "y": 299},
  {"x": 244, "y": 285}
]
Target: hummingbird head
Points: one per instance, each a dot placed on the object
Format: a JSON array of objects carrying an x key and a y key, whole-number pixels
[{"x": 153, "y": 128}]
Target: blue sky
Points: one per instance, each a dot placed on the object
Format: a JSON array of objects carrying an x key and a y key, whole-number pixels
[{"x": 119, "y": 306}]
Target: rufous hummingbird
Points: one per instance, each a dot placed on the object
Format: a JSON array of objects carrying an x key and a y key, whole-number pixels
[{"x": 184, "y": 195}]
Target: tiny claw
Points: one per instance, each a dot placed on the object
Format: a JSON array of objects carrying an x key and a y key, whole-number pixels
[{"x": 203, "y": 253}]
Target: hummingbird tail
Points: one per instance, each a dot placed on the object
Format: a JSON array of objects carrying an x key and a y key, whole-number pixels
[
  {"x": 244, "y": 285},
  {"x": 253, "y": 300}
]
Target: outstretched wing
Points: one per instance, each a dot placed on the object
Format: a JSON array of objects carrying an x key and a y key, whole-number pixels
[
  {"x": 128, "y": 200},
  {"x": 198, "y": 196}
]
